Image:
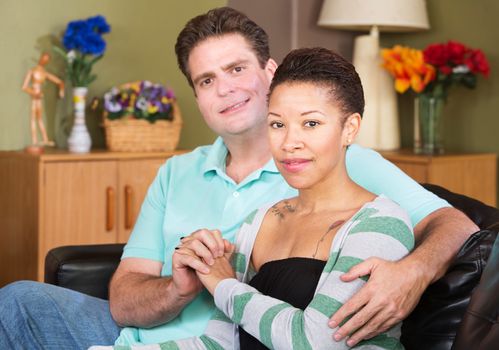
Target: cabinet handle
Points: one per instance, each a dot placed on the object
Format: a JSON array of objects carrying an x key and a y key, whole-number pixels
[
  {"x": 128, "y": 207},
  {"x": 110, "y": 208}
]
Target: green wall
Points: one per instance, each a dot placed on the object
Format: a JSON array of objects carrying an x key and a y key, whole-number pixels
[
  {"x": 140, "y": 46},
  {"x": 471, "y": 116}
]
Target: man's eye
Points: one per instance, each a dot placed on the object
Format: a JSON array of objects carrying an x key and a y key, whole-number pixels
[
  {"x": 311, "y": 123},
  {"x": 238, "y": 69},
  {"x": 276, "y": 125},
  {"x": 205, "y": 82}
]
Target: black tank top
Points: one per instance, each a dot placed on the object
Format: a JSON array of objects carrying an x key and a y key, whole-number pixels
[{"x": 292, "y": 280}]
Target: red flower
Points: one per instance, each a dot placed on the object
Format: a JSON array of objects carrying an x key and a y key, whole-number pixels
[
  {"x": 446, "y": 70},
  {"x": 436, "y": 54},
  {"x": 477, "y": 63},
  {"x": 436, "y": 68},
  {"x": 456, "y": 52}
]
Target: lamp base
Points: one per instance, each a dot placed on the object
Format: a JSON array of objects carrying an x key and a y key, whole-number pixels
[{"x": 380, "y": 124}]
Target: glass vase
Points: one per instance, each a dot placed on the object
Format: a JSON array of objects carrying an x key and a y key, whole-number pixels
[
  {"x": 79, "y": 140},
  {"x": 428, "y": 111}
]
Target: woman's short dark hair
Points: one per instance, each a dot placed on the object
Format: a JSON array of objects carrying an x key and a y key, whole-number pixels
[
  {"x": 326, "y": 68},
  {"x": 217, "y": 22}
]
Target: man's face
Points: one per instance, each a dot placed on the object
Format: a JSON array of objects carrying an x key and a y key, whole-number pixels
[{"x": 230, "y": 86}]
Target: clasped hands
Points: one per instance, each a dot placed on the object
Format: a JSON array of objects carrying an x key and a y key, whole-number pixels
[
  {"x": 392, "y": 291},
  {"x": 202, "y": 259}
]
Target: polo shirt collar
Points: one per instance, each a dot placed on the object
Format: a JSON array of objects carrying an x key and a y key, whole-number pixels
[{"x": 216, "y": 161}]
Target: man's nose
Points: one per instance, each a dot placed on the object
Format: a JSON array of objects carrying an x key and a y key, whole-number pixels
[{"x": 224, "y": 86}]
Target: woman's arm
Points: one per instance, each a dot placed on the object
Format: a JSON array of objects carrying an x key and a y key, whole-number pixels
[{"x": 374, "y": 232}]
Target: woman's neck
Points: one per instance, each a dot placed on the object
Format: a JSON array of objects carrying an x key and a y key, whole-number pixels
[{"x": 337, "y": 193}]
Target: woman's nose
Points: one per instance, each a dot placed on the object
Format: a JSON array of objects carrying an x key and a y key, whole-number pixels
[{"x": 292, "y": 141}]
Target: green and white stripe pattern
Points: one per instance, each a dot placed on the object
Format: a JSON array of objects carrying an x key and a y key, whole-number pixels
[{"x": 380, "y": 229}]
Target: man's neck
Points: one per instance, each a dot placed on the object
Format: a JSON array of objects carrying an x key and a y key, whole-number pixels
[{"x": 245, "y": 155}]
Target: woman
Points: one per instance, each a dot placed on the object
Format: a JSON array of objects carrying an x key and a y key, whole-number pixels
[{"x": 289, "y": 255}]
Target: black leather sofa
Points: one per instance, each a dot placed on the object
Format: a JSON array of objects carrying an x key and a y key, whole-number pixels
[{"x": 432, "y": 325}]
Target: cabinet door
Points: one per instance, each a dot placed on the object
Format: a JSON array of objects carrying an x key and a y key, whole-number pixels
[
  {"x": 79, "y": 204},
  {"x": 135, "y": 176}
]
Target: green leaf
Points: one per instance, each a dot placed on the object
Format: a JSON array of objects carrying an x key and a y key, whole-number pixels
[
  {"x": 90, "y": 79},
  {"x": 95, "y": 59},
  {"x": 469, "y": 80},
  {"x": 60, "y": 52}
]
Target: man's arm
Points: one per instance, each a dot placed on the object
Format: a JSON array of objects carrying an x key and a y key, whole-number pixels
[
  {"x": 139, "y": 297},
  {"x": 394, "y": 288}
]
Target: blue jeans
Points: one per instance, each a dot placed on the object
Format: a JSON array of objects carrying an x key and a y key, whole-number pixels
[{"x": 35, "y": 315}]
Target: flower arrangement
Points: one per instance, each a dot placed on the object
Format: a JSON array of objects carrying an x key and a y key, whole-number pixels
[
  {"x": 430, "y": 73},
  {"x": 84, "y": 46},
  {"x": 433, "y": 70},
  {"x": 143, "y": 100}
]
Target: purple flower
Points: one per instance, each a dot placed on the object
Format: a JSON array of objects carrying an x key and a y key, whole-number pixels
[{"x": 169, "y": 94}]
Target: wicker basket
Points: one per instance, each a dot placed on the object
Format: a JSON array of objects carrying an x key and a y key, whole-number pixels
[{"x": 128, "y": 134}]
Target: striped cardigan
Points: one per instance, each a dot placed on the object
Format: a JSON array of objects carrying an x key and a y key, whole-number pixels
[{"x": 379, "y": 229}]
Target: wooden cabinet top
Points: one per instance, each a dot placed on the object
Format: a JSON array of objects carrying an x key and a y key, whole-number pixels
[
  {"x": 53, "y": 154},
  {"x": 407, "y": 155}
]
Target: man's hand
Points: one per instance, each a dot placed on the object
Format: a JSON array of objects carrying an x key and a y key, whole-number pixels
[
  {"x": 391, "y": 293},
  {"x": 184, "y": 278},
  {"x": 205, "y": 244},
  {"x": 196, "y": 253},
  {"x": 219, "y": 270}
]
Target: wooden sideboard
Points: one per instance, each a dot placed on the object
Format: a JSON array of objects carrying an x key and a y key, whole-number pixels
[
  {"x": 474, "y": 175},
  {"x": 58, "y": 198}
]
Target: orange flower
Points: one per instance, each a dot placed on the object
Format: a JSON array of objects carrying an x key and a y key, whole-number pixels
[{"x": 408, "y": 67}]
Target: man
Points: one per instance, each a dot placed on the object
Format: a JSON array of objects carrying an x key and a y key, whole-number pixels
[{"x": 225, "y": 58}]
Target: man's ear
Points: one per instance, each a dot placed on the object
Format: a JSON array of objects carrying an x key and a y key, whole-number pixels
[
  {"x": 270, "y": 67},
  {"x": 351, "y": 128}
]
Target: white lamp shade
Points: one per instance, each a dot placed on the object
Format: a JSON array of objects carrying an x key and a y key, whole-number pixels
[{"x": 387, "y": 15}]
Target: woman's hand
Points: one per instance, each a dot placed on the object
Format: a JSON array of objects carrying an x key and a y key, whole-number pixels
[{"x": 220, "y": 270}]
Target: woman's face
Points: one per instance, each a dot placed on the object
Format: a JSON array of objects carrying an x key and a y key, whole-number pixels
[{"x": 307, "y": 138}]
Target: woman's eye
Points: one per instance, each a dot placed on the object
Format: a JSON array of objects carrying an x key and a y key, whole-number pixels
[
  {"x": 276, "y": 125},
  {"x": 311, "y": 123}
]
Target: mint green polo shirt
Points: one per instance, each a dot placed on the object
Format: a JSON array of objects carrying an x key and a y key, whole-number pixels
[{"x": 192, "y": 191}]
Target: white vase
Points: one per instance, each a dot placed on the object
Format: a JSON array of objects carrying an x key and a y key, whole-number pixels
[{"x": 79, "y": 139}]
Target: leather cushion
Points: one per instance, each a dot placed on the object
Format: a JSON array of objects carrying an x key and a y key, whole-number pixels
[
  {"x": 434, "y": 322},
  {"x": 480, "y": 326},
  {"x": 485, "y": 216},
  {"x": 86, "y": 269}
]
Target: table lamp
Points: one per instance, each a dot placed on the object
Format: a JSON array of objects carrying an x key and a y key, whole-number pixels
[{"x": 380, "y": 125}]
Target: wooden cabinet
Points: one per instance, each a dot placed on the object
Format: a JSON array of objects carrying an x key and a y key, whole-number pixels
[
  {"x": 474, "y": 175},
  {"x": 59, "y": 198}
]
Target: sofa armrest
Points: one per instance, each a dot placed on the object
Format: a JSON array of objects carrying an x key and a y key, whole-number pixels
[
  {"x": 86, "y": 268},
  {"x": 483, "y": 215}
]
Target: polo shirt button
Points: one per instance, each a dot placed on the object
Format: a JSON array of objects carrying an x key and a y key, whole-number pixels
[{"x": 235, "y": 194}]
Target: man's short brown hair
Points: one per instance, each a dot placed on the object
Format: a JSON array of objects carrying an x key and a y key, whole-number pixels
[{"x": 215, "y": 23}]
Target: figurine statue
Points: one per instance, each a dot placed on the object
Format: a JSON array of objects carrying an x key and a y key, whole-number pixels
[{"x": 32, "y": 85}]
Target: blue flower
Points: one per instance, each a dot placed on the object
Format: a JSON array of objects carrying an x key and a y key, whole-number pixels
[
  {"x": 98, "y": 24},
  {"x": 93, "y": 44},
  {"x": 83, "y": 38},
  {"x": 86, "y": 35}
]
